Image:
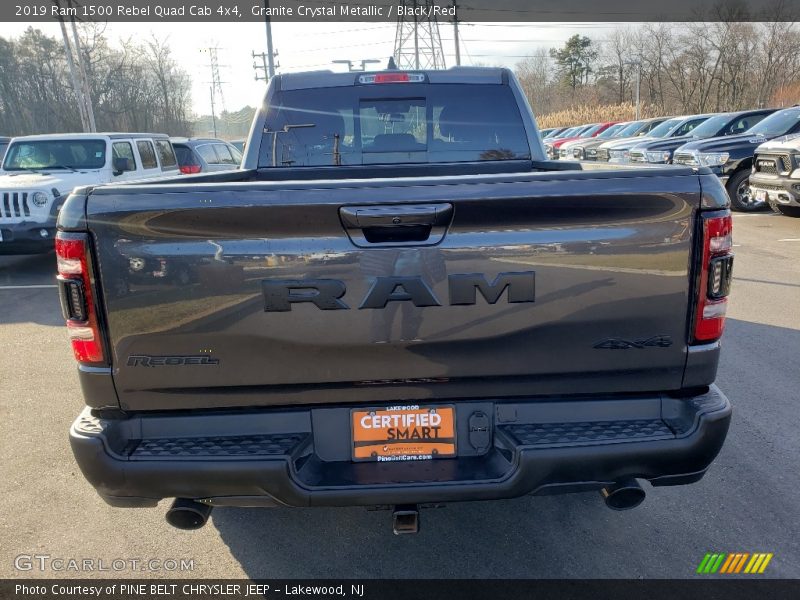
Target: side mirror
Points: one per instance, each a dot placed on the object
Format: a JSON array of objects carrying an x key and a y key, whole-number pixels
[{"x": 121, "y": 165}]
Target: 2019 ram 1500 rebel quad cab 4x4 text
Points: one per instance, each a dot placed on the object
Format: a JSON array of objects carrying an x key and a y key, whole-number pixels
[{"x": 397, "y": 301}]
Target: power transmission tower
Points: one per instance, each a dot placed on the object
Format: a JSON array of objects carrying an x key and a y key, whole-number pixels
[
  {"x": 417, "y": 43},
  {"x": 216, "y": 82},
  {"x": 215, "y": 85},
  {"x": 213, "y": 112}
]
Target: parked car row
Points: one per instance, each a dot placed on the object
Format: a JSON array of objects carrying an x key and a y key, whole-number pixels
[
  {"x": 555, "y": 147},
  {"x": 726, "y": 143},
  {"x": 633, "y": 130},
  {"x": 39, "y": 171}
]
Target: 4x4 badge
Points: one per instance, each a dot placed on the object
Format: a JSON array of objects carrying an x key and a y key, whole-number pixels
[{"x": 657, "y": 341}]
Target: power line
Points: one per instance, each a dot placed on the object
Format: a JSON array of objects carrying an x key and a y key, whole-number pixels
[
  {"x": 538, "y": 11},
  {"x": 365, "y": 44},
  {"x": 518, "y": 41},
  {"x": 604, "y": 25},
  {"x": 512, "y": 55},
  {"x": 341, "y": 31}
]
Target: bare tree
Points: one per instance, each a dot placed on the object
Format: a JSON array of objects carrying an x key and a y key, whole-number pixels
[
  {"x": 135, "y": 87},
  {"x": 536, "y": 77},
  {"x": 730, "y": 64},
  {"x": 619, "y": 52}
]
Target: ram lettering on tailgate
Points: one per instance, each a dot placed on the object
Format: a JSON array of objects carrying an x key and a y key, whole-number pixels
[{"x": 328, "y": 294}]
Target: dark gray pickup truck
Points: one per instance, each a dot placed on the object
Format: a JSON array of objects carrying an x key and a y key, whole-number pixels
[{"x": 396, "y": 302}]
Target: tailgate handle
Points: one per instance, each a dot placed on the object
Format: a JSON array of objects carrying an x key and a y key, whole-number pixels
[{"x": 397, "y": 225}]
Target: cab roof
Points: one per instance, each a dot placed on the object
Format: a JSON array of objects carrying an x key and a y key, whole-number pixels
[
  {"x": 328, "y": 78},
  {"x": 205, "y": 140},
  {"x": 92, "y": 136}
]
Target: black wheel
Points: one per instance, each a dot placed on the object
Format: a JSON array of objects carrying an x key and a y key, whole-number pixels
[
  {"x": 742, "y": 197},
  {"x": 789, "y": 211}
]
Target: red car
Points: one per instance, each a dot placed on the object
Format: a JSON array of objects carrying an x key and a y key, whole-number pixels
[{"x": 587, "y": 131}]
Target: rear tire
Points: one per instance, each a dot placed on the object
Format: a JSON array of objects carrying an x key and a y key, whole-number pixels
[
  {"x": 739, "y": 191},
  {"x": 789, "y": 211}
]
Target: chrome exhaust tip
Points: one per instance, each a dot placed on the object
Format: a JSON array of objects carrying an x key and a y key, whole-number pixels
[
  {"x": 188, "y": 514},
  {"x": 623, "y": 494}
]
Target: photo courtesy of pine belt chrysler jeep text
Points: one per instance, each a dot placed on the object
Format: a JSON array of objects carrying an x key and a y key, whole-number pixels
[{"x": 397, "y": 301}]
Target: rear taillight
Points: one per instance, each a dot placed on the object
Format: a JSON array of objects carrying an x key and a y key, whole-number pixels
[
  {"x": 190, "y": 169},
  {"x": 715, "y": 278},
  {"x": 76, "y": 297}
]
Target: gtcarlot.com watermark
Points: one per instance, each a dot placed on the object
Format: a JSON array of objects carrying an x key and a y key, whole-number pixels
[{"x": 59, "y": 564}]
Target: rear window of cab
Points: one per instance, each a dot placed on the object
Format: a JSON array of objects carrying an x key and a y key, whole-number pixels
[{"x": 393, "y": 124}]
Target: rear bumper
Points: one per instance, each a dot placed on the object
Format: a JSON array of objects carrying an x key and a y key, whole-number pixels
[{"x": 301, "y": 457}]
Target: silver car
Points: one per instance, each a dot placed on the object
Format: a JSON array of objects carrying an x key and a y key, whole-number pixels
[{"x": 201, "y": 155}]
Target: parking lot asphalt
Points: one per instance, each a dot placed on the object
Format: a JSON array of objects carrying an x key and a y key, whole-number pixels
[{"x": 748, "y": 501}]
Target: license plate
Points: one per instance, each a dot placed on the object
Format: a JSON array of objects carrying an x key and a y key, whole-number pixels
[
  {"x": 762, "y": 195},
  {"x": 403, "y": 433}
]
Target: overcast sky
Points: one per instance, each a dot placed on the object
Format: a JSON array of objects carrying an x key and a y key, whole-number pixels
[{"x": 311, "y": 46}]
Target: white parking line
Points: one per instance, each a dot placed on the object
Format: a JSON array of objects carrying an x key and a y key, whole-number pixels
[
  {"x": 27, "y": 287},
  {"x": 790, "y": 240}
]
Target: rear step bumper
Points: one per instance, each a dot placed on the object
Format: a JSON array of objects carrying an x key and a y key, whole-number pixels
[{"x": 301, "y": 457}]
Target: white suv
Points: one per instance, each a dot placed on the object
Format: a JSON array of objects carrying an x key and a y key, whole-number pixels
[{"x": 39, "y": 172}]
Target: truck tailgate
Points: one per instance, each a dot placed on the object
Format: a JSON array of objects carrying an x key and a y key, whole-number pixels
[{"x": 247, "y": 294}]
